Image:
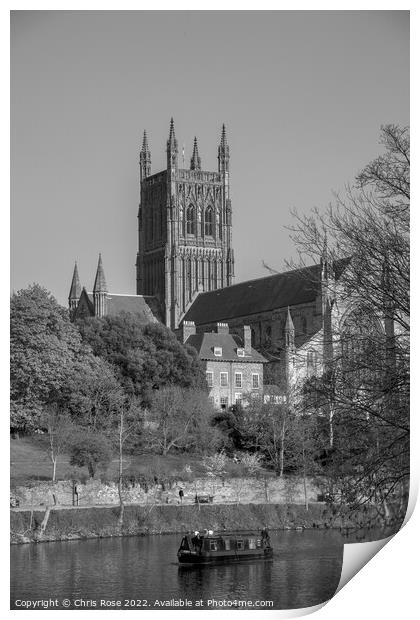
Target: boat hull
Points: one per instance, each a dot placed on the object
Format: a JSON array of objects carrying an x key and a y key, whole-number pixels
[{"x": 223, "y": 556}]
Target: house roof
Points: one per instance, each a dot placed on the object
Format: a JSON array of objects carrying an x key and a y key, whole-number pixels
[
  {"x": 204, "y": 345},
  {"x": 280, "y": 290}
]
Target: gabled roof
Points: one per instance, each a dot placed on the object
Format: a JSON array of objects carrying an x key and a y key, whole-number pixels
[
  {"x": 204, "y": 345},
  {"x": 145, "y": 306},
  {"x": 280, "y": 290}
]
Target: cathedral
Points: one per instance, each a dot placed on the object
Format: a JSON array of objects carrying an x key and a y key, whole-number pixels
[
  {"x": 185, "y": 272},
  {"x": 184, "y": 229}
]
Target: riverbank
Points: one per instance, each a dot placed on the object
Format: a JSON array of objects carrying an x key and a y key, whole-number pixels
[{"x": 56, "y": 523}]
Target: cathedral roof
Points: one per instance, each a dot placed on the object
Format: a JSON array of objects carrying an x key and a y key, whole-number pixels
[
  {"x": 204, "y": 344},
  {"x": 290, "y": 288},
  {"x": 146, "y": 306}
]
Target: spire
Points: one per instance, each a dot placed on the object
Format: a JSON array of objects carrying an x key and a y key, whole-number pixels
[
  {"x": 145, "y": 159},
  {"x": 289, "y": 331},
  {"x": 289, "y": 326},
  {"x": 100, "y": 283},
  {"x": 195, "y": 159},
  {"x": 326, "y": 264},
  {"x": 172, "y": 147},
  {"x": 75, "y": 288},
  {"x": 223, "y": 152}
]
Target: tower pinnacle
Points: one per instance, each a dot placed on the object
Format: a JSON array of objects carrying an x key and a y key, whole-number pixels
[
  {"x": 195, "y": 159},
  {"x": 172, "y": 147},
  {"x": 223, "y": 152},
  {"x": 145, "y": 159}
]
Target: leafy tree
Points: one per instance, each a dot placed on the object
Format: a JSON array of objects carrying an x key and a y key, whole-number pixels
[
  {"x": 145, "y": 357},
  {"x": 91, "y": 393},
  {"x": 90, "y": 450},
  {"x": 43, "y": 347}
]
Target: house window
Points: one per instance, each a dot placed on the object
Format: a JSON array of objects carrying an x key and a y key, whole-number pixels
[
  {"x": 238, "y": 398},
  {"x": 238, "y": 379},
  {"x": 223, "y": 402},
  {"x": 255, "y": 381},
  {"x": 239, "y": 544},
  {"x": 223, "y": 379},
  {"x": 218, "y": 351},
  {"x": 190, "y": 220},
  {"x": 209, "y": 378},
  {"x": 240, "y": 352}
]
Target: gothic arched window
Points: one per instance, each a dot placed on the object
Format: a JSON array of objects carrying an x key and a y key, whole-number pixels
[
  {"x": 190, "y": 220},
  {"x": 208, "y": 222}
]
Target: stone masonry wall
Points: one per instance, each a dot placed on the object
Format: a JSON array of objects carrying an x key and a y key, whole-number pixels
[{"x": 229, "y": 491}]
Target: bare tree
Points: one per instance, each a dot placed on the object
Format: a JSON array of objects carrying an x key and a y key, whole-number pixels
[
  {"x": 130, "y": 420},
  {"x": 59, "y": 428},
  {"x": 180, "y": 418},
  {"x": 365, "y": 387}
]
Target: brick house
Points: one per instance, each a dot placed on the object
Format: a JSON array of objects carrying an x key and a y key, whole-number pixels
[{"x": 234, "y": 370}]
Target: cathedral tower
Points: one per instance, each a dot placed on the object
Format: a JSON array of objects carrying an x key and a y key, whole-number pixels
[{"x": 185, "y": 228}]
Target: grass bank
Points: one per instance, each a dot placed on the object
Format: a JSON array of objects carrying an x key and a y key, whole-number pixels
[{"x": 101, "y": 522}]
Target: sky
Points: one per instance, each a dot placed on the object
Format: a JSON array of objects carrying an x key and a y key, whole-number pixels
[{"x": 302, "y": 93}]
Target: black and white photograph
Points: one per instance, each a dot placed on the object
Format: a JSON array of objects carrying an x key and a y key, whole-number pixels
[{"x": 209, "y": 305}]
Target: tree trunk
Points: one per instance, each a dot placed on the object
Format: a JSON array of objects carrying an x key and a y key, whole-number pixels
[
  {"x": 120, "y": 476},
  {"x": 282, "y": 436},
  {"x": 54, "y": 463},
  {"x": 305, "y": 490}
]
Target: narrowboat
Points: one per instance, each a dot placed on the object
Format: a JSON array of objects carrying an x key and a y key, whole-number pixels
[{"x": 210, "y": 547}]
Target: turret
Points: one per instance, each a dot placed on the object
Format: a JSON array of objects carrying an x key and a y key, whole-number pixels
[
  {"x": 223, "y": 153},
  {"x": 289, "y": 332},
  {"x": 195, "y": 159},
  {"x": 100, "y": 291},
  {"x": 327, "y": 269},
  {"x": 75, "y": 291},
  {"x": 145, "y": 159},
  {"x": 172, "y": 148}
]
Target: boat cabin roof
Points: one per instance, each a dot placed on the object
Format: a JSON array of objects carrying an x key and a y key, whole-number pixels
[{"x": 224, "y": 533}]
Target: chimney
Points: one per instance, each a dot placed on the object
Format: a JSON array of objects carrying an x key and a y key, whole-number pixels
[
  {"x": 247, "y": 339},
  {"x": 188, "y": 329},
  {"x": 222, "y": 328}
]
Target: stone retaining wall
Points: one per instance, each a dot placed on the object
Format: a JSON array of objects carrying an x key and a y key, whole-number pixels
[{"x": 224, "y": 491}]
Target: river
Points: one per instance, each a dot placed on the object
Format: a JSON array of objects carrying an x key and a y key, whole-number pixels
[{"x": 142, "y": 572}]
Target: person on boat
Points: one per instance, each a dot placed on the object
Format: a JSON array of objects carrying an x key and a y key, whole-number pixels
[
  {"x": 265, "y": 536},
  {"x": 196, "y": 540}
]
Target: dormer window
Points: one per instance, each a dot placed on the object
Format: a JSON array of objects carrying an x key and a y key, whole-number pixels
[
  {"x": 240, "y": 352},
  {"x": 218, "y": 351}
]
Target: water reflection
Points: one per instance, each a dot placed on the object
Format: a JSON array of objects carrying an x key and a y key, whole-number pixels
[{"x": 304, "y": 571}]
